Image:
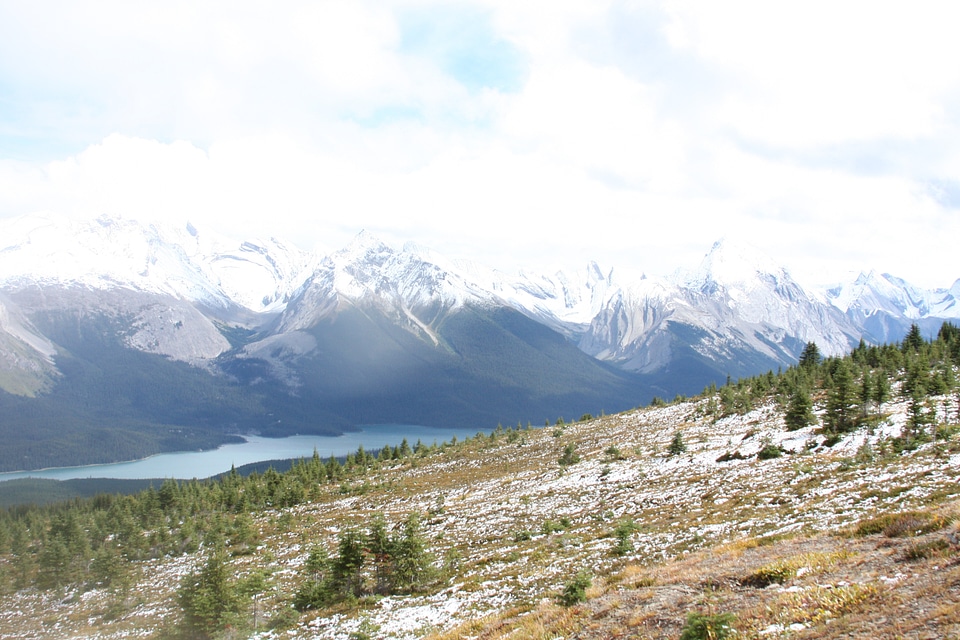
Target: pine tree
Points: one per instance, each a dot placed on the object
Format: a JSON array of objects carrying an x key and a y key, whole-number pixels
[
  {"x": 841, "y": 400},
  {"x": 411, "y": 562},
  {"x": 55, "y": 565},
  {"x": 881, "y": 390},
  {"x": 569, "y": 456},
  {"x": 347, "y": 566},
  {"x": 380, "y": 547},
  {"x": 677, "y": 445},
  {"x": 866, "y": 392},
  {"x": 913, "y": 341},
  {"x": 317, "y": 589},
  {"x": 624, "y": 529},
  {"x": 209, "y": 598},
  {"x": 799, "y": 412},
  {"x": 109, "y": 570},
  {"x": 810, "y": 357}
]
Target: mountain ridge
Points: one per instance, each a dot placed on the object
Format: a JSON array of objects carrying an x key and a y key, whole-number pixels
[{"x": 373, "y": 333}]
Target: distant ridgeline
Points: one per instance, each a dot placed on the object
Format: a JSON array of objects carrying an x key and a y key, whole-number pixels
[
  {"x": 103, "y": 360},
  {"x": 95, "y": 542}
]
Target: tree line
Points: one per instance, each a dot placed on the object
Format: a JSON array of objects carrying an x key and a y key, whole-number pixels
[{"x": 853, "y": 388}]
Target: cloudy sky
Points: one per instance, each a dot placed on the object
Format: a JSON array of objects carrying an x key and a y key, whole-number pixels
[{"x": 508, "y": 132}]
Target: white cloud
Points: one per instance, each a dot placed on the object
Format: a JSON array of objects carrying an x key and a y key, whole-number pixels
[
  {"x": 826, "y": 72},
  {"x": 637, "y": 134}
]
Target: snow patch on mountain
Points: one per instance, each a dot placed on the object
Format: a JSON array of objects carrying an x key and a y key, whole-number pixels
[
  {"x": 566, "y": 302},
  {"x": 175, "y": 260}
]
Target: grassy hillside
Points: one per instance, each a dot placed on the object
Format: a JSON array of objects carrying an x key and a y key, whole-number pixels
[{"x": 700, "y": 517}]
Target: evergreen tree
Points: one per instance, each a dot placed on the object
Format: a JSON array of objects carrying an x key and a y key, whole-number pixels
[
  {"x": 913, "y": 341},
  {"x": 728, "y": 400},
  {"x": 866, "y": 392},
  {"x": 55, "y": 565},
  {"x": 799, "y": 412},
  {"x": 624, "y": 529},
  {"x": 24, "y": 563},
  {"x": 317, "y": 589},
  {"x": 109, "y": 570},
  {"x": 881, "y": 390},
  {"x": 918, "y": 412},
  {"x": 411, "y": 562},
  {"x": 810, "y": 357},
  {"x": 677, "y": 445},
  {"x": 380, "y": 548},
  {"x": 569, "y": 456},
  {"x": 209, "y": 598},
  {"x": 839, "y": 417},
  {"x": 346, "y": 568}
]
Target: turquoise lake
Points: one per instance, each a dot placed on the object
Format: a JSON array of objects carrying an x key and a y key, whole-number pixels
[{"x": 203, "y": 464}]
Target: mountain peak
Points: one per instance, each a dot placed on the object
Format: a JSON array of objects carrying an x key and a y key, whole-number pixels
[
  {"x": 364, "y": 246},
  {"x": 733, "y": 262}
]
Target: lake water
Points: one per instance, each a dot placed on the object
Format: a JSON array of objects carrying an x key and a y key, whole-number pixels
[{"x": 203, "y": 464}]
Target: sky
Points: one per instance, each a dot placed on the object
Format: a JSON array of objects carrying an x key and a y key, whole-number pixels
[{"x": 517, "y": 134}]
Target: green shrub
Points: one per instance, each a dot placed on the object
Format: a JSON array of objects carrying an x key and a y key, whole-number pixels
[
  {"x": 522, "y": 536},
  {"x": 701, "y": 626},
  {"x": 575, "y": 591},
  {"x": 283, "y": 619},
  {"x": 768, "y": 452},
  {"x": 624, "y": 529},
  {"x": 569, "y": 456},
  {"x": 935, "y": 548},
  {"x": 902, "y": 525},
  {"x": 551, "y": 526},
  {"x": 613, "y": 453},
  {"x": 728, "y": 456},
  {"x": 774, "y": 573}
]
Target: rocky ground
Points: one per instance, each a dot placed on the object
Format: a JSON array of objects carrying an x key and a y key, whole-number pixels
[{"x": 510, "y": 526}]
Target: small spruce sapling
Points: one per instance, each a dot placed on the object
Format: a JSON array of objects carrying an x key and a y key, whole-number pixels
[
  {"x": 570, "y": 456},
  {"x": 575, "y": 591},
  {"x": 677, "y": 445}
]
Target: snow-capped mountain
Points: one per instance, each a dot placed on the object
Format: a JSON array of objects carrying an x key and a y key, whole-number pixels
[
  {"x": 738, "y": 310},
  {"x": 403, "y": 284},
  {"x": 161, "y": 258},
  {"x": 115, "y": 321},
  {"x": 736, "y": 301},
  {"x": 883, "y": 306},
  {"x": 563, "y": 301}
]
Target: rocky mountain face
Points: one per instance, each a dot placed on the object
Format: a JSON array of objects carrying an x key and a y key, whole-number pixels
[
  {"x": 883, "y": 306},
  {"x": 374, "y": 334},
  {"x": 738, "y": 313}
]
